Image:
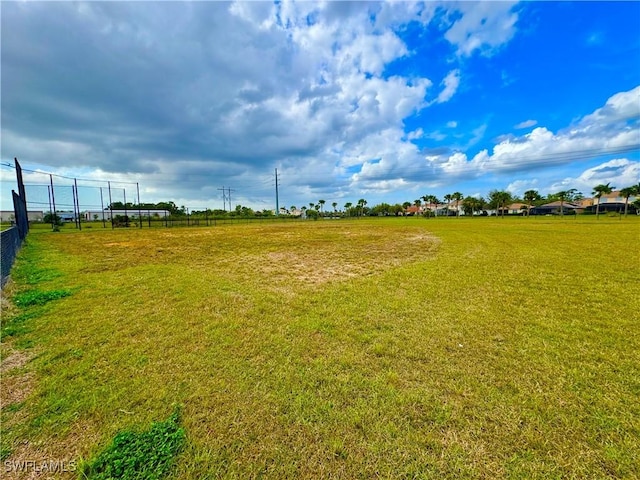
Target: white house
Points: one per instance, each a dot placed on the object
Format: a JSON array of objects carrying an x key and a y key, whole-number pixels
[
  {"x": 7, "y": 216},
  {"x": 99, "y": 215}
]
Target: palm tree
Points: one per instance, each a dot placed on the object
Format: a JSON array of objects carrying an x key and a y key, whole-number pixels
[
  {"x": 321, "y": 203},
  {"x": 564, "y": 195},
  {"x": 457, "y": 196},
  {"x": 436, "y": 201},
  {"x": 311, "y": 205},
  {"x": 347, "y": 206},
  {"x": 628, "y": 192},
  {"x": 335, "y": 205},
  {"x": 471, "y": 205},
  {"x": 361, "y": 203},
  {"x": 427, "y": 201},
  {"x": 498, "y": 199},
  {"x": 447, "y": 198},
  {"x": 293, "y": 208},
  {"x": 598, "y": 191},
  {"x": 482, "y": 203},
  {"x": 417, "y": 203},
  {"x": 531, "y": 196}
]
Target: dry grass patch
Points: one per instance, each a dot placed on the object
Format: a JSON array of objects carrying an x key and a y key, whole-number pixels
[
  {"x": 15, "y": 388},
  {"x": 15, "y": 359},
  {"x": 335, "y": 259},
  {"x": 280, "y": 255}
]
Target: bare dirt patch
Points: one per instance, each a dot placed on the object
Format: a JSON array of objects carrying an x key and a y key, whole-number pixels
[
  {"x": 355, "y": 255},
  {"x": 15, "y": 359},
  {"x": 15, "y": 388}
]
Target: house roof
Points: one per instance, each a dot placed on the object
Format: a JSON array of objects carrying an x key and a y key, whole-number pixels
[
  {"x": 516, "y": 206},
  {"x": 613, "y": 194},
  {"x": 558, "y": 203}
]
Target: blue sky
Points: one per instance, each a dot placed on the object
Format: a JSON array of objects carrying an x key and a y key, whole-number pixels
[{"x": 386, "y": 101}]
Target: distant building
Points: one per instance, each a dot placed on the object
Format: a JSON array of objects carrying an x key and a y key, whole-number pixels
[
  {"x": 514, "y": 209},
  {"x": 553, "y": 208},
  {"x": 7, "y": 216},
  {"x": 612, "y": 202},
  {"x": 414, "y": 210},
  {"x": 99, "y": 215}
]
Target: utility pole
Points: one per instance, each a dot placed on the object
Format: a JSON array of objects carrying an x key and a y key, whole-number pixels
[
  {"x": 139, "y": 207},
  {"x": 126, "y": 216},
  {"x": 77, "y": 203},
  {"x": 104, "y": 225},
  {"x": 224, "y": 199},
  {"x": 53, "y": 201},
  {"x": 110, "y": 204},
  {"x": 229, "y": 197},
  {"x": 277, "y": 199}
]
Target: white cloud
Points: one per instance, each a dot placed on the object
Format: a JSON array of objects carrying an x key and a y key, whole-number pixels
[
  {"x": 526, "y": 124},
  {"x": 608, "y": 130},
  {"x": 419, "y": 133},
  {"x": 483, "y": 26},
  {"x": 620, "y": 173},
  {"x": 451, "y": 83},
  {"x": 620, "y": 107},
  {"x": 478, "y": 134},
  {"x": 452, "y": 124},
  {"x": 518, "y": 187},
  {"x": 455, "y": 163}
]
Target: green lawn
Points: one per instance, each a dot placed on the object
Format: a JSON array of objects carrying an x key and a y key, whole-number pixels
[{"x": 376, "y": 348}]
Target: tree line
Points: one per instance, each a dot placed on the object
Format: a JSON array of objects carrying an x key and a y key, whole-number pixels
[
  {"x": 450, "y": 204},
  {"x": 454, "y": 203}
]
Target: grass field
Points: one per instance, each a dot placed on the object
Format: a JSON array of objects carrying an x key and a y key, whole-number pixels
[{"x": 376, "y": 348}]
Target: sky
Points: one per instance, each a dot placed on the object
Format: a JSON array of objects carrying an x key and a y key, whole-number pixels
[{"x": 386, "y": 101}]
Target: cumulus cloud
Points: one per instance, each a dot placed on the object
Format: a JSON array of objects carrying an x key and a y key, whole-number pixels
[
  {"x": 620, "y": 173},
  {"x": 234, "y": 88},
  {"x": 610, "y": 129},
  {"x": 518, "y": 187}
]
